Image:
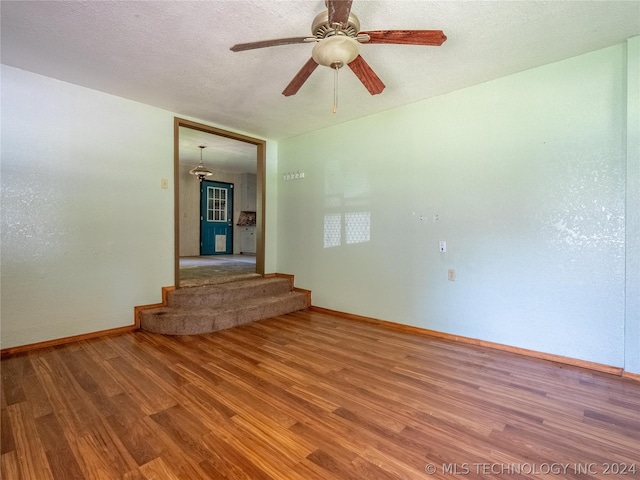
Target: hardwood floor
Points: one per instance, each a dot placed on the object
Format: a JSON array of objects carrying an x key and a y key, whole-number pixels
[{"x": 309, "y": 396}]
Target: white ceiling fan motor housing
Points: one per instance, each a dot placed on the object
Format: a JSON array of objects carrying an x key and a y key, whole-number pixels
[{"x": 335, "y": 51}]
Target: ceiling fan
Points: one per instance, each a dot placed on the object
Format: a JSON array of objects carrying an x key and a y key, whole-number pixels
[{"x": 337, "y": 37}]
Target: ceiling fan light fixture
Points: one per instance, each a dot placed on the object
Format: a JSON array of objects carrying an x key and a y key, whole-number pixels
[
  {"x": 335, "y": 51},
  {"x": 201, "y": 171},
  {"x": 338, "y": 36}
]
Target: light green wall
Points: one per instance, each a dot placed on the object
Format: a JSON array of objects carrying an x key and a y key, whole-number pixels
[
  {"x": 84, "y": 220},
  {"x": 632, "y": 323},
  {"x": 271, "y": 209},
  {"x": 523, "y": 177},
  {"x": 87, "y": 232}
]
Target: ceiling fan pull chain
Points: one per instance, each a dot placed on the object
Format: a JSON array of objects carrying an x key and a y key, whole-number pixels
[{"x": 335, "y": 89}]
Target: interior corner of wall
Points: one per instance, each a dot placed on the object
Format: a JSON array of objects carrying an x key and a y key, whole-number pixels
[{"x": 632, "y": 217}]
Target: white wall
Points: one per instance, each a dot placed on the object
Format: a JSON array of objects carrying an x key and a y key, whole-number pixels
[
  {"x": 87, "y": 232},
  {"x": 189, "y": 204},
  {"x": 523, "y": 177}
]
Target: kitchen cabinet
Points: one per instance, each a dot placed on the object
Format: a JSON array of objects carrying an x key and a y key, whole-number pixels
[{"x": 248, "y": 239}]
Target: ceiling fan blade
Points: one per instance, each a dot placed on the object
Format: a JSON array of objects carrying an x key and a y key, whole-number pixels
[
  {"x": 300, "y": 78},
  {"x": 239, "y": 47},
  {"x": 367, "y": 76},
  {"x": 339, "y": 11},
  {"x": 407, "y": 37}
]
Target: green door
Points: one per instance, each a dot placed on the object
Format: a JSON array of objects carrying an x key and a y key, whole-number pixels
[{"x": 216, "y": 218}]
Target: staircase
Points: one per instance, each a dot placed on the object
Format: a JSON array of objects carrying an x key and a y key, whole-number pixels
[{"x": 209, "y": 308}]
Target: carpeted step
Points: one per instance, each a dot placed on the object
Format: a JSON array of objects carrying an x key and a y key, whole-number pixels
[
  {"x": 225, "y": 293},
  {"x": 210, "y": 308},
  {"x": 211, "y": 318}
]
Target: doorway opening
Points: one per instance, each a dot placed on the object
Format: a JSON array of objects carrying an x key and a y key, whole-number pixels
[{"x": 237, "y": 160}]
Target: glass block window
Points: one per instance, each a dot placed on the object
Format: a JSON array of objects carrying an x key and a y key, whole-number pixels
[
  {"x": 216, "y": 204},
  {"x": 357, "y": 227},
  {"x": 332, "y": 230}
]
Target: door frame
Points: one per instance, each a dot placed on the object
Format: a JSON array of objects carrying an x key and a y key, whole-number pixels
[{"x": 261, "y": 159}]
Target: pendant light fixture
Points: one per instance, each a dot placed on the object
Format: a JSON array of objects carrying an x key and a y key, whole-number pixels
[{"x": 201, "y": 171}]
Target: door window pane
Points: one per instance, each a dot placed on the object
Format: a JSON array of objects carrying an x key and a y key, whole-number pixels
[{"x": 216, "y": 204}]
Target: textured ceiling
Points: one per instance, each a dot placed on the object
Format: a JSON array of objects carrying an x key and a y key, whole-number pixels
[{"x": 175, "y": 54}]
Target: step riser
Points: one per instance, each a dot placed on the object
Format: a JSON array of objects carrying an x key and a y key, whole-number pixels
[
  {"x": 220, "y": 295},
  {"x": 198, "y": 322}
]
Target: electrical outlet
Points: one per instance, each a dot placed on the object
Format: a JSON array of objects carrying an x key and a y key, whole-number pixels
[
  {"x": 451, "y": 275},
  {"x": 442, "y": 246},
  {"x": 164, "y": 183}
]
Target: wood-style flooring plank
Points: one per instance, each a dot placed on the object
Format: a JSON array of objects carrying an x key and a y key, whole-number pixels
[
  {"x": 9, "y": 466},
  {"x": 158, "y": 470},
  {"x": 61, "y": 460},
  {"x": 306, "y": 396},
  {"x": 227, "y": 462},
  {"x": 31, "y": 458},
  {"x": 6, "y": 438}
]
